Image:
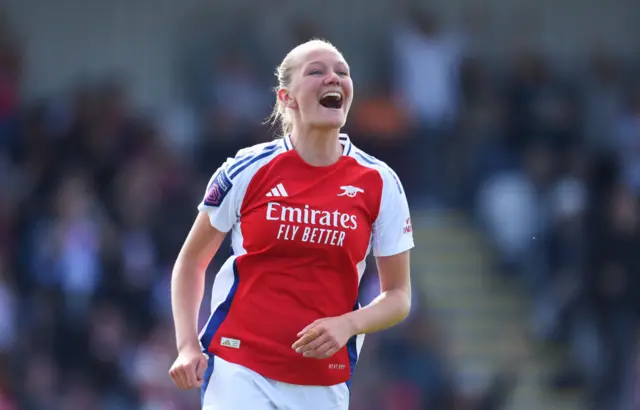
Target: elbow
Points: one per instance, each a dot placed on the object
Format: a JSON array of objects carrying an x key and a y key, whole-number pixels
[
  {"x": 186, "y": 267},
  {"x": 179, "y": 267},
  {"x": 404, "y": 307}
]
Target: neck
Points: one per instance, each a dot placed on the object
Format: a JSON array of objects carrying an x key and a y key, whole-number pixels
[{"x": 317, "y": 147}]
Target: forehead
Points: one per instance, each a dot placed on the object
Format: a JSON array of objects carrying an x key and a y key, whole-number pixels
[{"x": 320, "y": 55}]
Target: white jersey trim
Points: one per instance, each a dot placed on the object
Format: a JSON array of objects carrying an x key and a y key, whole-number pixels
[
  {"x": 391, "y": 233},
  {"x": 348, "y": 147}
]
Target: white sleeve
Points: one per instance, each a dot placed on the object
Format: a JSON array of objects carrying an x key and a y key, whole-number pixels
[
  {"x": 222, "y": 199},
  {"x": 392, "y": 232}
]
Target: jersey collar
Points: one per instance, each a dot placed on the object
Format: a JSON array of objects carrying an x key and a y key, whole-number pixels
[{"x": 344, "y": 140}]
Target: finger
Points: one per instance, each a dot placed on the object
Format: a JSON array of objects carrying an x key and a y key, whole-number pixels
[
  {"x": 333, "y": 350},
  {"x": 178, "y": 377},
  {"x": 190, "y": 375},
  {"x": 303, "y": 341},
  {"x": 173, "y": 377},
  {"x": 309, "y": 327},
  {"x": 314, "y": 344},
  {"x": 306, "y": 338},
  {"x": 184, "y": 377},
  {"x": 201, "y": 367},
  {"x": 320, "y": 351},
  {"x": 199, "y": 383}
]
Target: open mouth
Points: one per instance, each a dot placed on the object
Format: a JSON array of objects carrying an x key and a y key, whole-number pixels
[{"x": 331, "y": 100}]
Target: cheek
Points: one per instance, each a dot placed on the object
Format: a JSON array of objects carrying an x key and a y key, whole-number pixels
[
  {"x": 348, "y": 86},
  {"x": 307, "y": 101},
  {"x": 302, "y": 94}
]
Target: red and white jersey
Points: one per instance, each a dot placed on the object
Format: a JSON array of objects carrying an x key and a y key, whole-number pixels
[{"x": 300, "y": 235}]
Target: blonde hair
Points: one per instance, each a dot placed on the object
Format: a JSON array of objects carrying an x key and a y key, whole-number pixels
[{"x": 284, "y": 73}]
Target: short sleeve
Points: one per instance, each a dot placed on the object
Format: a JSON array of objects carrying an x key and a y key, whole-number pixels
[
  {"x": 222, "y": 200},
  {"x": 392, "y": 232}
]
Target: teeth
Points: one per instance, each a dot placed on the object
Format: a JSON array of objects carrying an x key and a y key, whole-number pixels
[{"x": 332, "y": 94}]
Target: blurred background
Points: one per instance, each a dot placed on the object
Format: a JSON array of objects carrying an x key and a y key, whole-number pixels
[{"x": 514, "y": 125}]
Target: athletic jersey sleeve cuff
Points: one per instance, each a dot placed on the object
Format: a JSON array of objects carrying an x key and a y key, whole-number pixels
[
  {"x": 396, "y": 249},
  {"x": 215, "y": 222}
]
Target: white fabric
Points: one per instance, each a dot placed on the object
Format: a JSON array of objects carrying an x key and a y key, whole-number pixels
[
  {"x": 427, "y": 74},
  {"x": 232, "y": 386},
  {"x": 392, "y": 228},
  {"x": 225, "y": 215}
]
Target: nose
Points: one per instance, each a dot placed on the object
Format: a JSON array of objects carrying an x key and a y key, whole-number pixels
[{"x": 332, "y": 79}]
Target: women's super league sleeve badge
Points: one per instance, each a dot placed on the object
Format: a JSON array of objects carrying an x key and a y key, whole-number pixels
[{"x": 218, "y": 189}]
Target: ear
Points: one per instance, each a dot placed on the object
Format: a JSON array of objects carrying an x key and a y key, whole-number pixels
[{"x": 285, "y": 98}]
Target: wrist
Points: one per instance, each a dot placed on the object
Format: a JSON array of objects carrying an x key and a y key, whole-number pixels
[
  {"x": 353, "y": 324},
  {"x": 189, "y": 345}
]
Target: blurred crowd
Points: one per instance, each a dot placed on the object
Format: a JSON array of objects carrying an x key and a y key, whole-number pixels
[{"x": 97, "y": 198}]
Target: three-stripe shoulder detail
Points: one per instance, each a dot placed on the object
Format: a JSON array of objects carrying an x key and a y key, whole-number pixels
[
  {"x": 379, "y": 165},
  {"x": 250, "y": 156}
]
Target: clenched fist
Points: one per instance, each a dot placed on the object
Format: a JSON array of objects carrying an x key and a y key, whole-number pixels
[{"x": 188, "y": 370}]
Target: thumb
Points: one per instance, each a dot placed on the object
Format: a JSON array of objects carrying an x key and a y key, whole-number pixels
[{"x": 201, "y": 366}]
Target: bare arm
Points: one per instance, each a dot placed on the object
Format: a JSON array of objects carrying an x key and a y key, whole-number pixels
[
  {"x": 326, "y": 336},
  {"x": 188, "y": 278},
  {"x": 393, "y": 304}
]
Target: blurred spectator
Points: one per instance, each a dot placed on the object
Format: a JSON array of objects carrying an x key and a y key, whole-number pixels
[
  {"x": 10, "y": 82},
  {"x": 417, "y": 374},
  {"x": 79, "y": 395},
  {"x": 513, "y": 206},
  {"x": 42, "y": 379},
  {"x": 426, "y": 63},
  {"x": 179, "y": 127},
  {"x": 66, "y": 248},
  {"x": 612, "y": 287},
  {"x": 566, "y": 240},
  {"x": 541, "y": 105},
  {"x": 628, "y": 141},
  {"x": 481, "y": 148},
  {"x": 426, "y": 57},
  {"x": 604, "y": 100},
  {"x": 8, "y": 312},
  {"x": 238, "y": 99}
]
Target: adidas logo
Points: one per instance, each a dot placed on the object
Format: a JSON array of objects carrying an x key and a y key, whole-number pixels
[
  {"x": 228, "y": 342},
  {"x": 277, "y": 191}
]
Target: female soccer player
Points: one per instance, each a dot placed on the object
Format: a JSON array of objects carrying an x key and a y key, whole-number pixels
[{"x": 303, "y": 212}]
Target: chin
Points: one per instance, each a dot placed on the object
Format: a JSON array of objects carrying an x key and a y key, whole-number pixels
[
  {"x": 336, "y": 122},
  {"x": 328, "y": 125}
]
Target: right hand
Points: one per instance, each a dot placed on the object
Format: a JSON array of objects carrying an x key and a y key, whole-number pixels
[{"x": 188, "y": 370}]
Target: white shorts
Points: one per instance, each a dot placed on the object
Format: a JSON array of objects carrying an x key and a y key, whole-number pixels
[{"x": 230, "y": 386}]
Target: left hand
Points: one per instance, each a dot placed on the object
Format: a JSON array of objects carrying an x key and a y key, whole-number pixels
[{"x": 324, "y": 337}]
